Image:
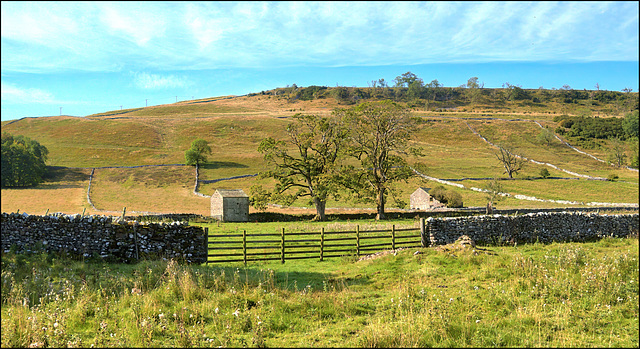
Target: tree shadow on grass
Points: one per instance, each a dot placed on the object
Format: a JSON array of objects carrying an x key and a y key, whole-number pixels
[
  {"x": 296, "y": 281},
  {"x": 61, "y": 178},
  {"x": 222, "y": 164}
]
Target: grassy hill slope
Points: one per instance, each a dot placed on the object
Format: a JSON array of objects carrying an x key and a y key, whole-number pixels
[{"x": 234, "y": 126}]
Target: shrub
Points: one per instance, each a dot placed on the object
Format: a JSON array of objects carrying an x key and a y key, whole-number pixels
[
  {"x": 544, "y": 173},
  {"x": 449, "y": 198},
  {"x": 439, "y": 193},
  {"x": 454, "y": 199},
  {"x": 612, "y": 177}
]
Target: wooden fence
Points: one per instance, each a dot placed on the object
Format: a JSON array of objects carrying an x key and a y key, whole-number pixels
[{"x": 245, "y": 247}]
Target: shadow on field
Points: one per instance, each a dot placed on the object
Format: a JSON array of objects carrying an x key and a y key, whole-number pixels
[
  {"x": 222, "y": 164},
  {"x": 61, "y": 178},
  {"x": 290, "y": 281}
]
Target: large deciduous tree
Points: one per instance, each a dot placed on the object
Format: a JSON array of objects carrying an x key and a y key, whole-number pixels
[
  {"x": 23, "y": 161},
  {"x": 197, "y": 154},
  {"x": 378, "y": 138},
  {"x": 305, "y": 165}
]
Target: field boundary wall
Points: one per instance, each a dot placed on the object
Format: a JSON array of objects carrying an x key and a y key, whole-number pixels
[
  {"x": 544, "y": 227},
  {"x": 103, "y": 236}
]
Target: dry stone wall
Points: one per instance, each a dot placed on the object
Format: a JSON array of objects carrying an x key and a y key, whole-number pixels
[
  {"x": 103, "y": 236},
  {"x": 543, "y": 227}
]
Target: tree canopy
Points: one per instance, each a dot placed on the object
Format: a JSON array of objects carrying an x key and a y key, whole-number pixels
[
  {"x": 197, "y": 154},
  {"x": 406, "y": 79},
  {"x": 630, "y": 124},
  {"x": 23, "y": 161},
  {"x": 309, "y": 167},
  {"x": 378, "y": 138}
]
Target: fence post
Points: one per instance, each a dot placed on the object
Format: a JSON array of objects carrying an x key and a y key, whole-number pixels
[
  {"x": 244, "y": 246},
  {"x": 393, "y": 237},
  {"x": 282, "y": 245},
  {"x": 423, "y": 240},
  {"x": 322, "y": 244},
  {"x": 206, "y": 245},
  {"x": 358, "y": 241},
  {"x": 124, "y": 210}
]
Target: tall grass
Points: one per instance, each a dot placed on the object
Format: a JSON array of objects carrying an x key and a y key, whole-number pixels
[{"x": 558, "y": 295}]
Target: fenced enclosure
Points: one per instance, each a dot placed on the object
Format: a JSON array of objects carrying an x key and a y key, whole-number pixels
[
  {"x": 484, "y": 230},
  {"x": 251, "y": 247}
]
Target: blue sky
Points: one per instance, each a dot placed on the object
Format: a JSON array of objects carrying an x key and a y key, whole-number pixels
[{"x": 90, "y": 57}]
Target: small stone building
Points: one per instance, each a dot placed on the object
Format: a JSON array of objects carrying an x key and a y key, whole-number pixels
[
  {"x": 421, "y": 200},
  {"x": 230, "y": 205}
]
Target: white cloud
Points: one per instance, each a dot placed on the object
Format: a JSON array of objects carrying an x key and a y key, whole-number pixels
[
  {"x": 115, "y": 36},
  {"x": 155, "y": 81},
  {"x": 17, "y": 95},
  {"x": 133, "y": 22},
  {"x": 34, "y": 23}
]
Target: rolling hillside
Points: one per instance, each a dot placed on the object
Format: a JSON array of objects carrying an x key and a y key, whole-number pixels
[{"x": 234, "y": 126}]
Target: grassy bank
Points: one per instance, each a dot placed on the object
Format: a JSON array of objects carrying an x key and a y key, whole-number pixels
[{"x": 561, "y": 294}]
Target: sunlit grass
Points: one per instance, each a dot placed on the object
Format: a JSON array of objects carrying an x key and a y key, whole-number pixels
[
  {"x": 63, "y": 190},
  {"x": 533, "y": 295},
  {"x": 167, "y": 189},
  {"x": 234, "y": 128}
]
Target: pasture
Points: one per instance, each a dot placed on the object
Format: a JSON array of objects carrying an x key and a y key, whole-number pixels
[
  {"x": 532, "y": 295},
  {"x": 450, "y": 151}
]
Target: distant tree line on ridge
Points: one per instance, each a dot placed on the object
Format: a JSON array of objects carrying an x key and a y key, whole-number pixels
[{"x": 411, "y": 89}]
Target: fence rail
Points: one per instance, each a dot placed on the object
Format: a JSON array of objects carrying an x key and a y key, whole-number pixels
[{"x": 235, "y": 247}]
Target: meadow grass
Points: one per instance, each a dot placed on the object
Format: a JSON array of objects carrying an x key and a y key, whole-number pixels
[
  {"x": 168, "y": 189},
  {"x": 63, "y": 190},
  {"x": 532, "y": 295},
  {"x": 522, "y": 137},
  {"x": 235, "y": 127}
]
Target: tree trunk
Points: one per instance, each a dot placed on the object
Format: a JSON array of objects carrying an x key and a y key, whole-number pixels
[
  {"x": 320, "y": 208},
  {"x": 380, "y": 205}
]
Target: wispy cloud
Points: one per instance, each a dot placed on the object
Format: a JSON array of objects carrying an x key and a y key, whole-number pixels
[
  {"x": 133, "y": 22},
  {"x": 18, "y": 95},
  {"x": 121, "y": 36},
  {"x": 154, "y": 81}
]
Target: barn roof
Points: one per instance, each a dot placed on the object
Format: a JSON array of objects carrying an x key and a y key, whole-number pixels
[{"x": 232, "y": 193}]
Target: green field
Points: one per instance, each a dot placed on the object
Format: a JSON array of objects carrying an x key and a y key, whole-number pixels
[
  {"x": 532, "y": 295},
  {"x": 234, "y": 127}
]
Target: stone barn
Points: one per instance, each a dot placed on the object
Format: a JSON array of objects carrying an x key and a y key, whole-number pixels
[
  {"x": 230, "y": 205},
  {"x": 421, "y": 200}
]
